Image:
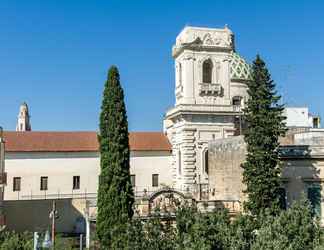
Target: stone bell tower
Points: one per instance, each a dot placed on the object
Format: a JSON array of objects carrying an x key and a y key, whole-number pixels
[
  {"x": 210, "y": 90},
  {"x": 23, "y": 123}
]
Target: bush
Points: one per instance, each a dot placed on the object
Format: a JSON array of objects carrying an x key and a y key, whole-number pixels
[
  {"x": 242, "y": 232},
  {"x": 16, "y": 241},
  {"x": 209, "y": 231},
  {"x": 294, "y": 229}
]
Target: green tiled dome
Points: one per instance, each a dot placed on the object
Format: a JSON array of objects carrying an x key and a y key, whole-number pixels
[{"x": 239, "y": 69}]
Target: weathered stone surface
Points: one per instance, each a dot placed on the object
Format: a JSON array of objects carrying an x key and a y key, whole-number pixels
[{"x": 225, "y": 172}]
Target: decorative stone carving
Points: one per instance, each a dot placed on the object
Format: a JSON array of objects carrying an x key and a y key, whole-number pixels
[
  {"x": 196, "y": 38},
  {"x": 166, "y": 201},
  {"x": 216, "y": 37},
  {"x": 208, "y": 39}
]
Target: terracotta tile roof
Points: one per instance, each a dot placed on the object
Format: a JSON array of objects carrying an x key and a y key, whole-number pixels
[{"x": 34, "y": 141}]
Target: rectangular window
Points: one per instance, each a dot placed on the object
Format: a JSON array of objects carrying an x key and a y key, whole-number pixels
[
  {"x": 314, "y": 196},
  {"x": 155, "y": 180},
  {"x": 43, "y": 183},
  {"x": 76, "y": 182},
  {"x": 16, "y": 183},
  {"x": 133, "y": 180},
  {"x": 316, "y": 122}
]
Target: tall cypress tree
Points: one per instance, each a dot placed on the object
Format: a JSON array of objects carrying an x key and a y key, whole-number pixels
[
  {"x": 115, "y": 194},
  {"x": 264, "y": 126}
]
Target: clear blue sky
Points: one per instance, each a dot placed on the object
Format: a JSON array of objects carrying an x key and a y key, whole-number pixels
[{"x": 55, "y": 54}]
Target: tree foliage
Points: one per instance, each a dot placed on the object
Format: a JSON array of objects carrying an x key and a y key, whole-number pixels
[
  {"x": 264, "y": 119},
  {"x": 294, "y": 229},
  {"x": 17, "y": 241},
  {"x": 115, "y": 195}
]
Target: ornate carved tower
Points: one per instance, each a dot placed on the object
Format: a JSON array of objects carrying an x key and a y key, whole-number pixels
[
  {"x": 23, "y": 123},
  {"x": 210, "y": 89}
]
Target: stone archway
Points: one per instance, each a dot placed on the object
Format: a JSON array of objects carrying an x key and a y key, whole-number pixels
[{"x": 166, "y": 201}]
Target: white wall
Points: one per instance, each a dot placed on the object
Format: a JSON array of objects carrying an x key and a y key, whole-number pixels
[
  {"x": 146, "y": 163},
  {"x": 61, "y": 167},
  {"x": 297, "y": 117}
]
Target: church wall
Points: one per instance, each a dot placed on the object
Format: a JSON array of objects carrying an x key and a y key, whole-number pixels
[
  {"x": 61, "y": 167},
  {"x": 225, "y": 172},
  {"x": 33, "y": 215},
  {"x": 300, "y": 174},
  {"x": 146, "y": 163}
]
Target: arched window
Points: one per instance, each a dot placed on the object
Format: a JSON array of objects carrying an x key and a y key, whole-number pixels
[
  {"x": 207, "y": 71},
  {"x": 205, "y": 161}
]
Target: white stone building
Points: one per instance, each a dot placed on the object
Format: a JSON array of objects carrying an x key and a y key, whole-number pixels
[
  {"x": 50, "y": 165},
  {"x": 300, "y": 117},
  {"x": 210, "y": 92}
]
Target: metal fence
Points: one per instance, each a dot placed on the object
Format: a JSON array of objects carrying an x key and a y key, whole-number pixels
[{"x": 45, "y": 195}]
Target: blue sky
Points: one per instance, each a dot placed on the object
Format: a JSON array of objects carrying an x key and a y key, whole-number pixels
[{"x": 55, "y": 54}]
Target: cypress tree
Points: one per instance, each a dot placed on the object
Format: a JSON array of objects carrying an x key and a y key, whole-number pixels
[
  {"x": 265, "y": 124},
  {"x": 115, "y": 194}
]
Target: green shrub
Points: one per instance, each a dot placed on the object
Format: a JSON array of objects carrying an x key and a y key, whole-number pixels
[
  {"x": 16, "y": 241},
  {"x": 294, "y": 229},
  {"x": 242, "y": 232}
]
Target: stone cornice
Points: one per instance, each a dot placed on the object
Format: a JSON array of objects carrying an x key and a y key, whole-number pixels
[
  {"x": 177, "y": 50},
  {"x": 201, "y": 109}
]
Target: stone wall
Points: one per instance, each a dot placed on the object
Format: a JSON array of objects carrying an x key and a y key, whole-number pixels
[
  {"x": 33, "y": 215},
  {"x": 225, "y": 172}
]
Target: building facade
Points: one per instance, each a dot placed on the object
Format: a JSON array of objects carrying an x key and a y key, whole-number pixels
[
  {"x": 301, "y": 118},
  {"x": 50, "y": 165}
]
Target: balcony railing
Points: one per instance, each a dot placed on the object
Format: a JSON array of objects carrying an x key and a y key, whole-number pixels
[
  {"x": 45, "y": 195},
  {"x": 210, "y": 89}
]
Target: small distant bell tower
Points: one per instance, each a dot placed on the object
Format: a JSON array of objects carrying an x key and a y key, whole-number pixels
[{"x": 23, "y": 123}]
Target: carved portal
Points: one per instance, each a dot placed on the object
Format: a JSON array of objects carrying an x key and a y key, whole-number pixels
[{"x": 166, "y": 201}]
